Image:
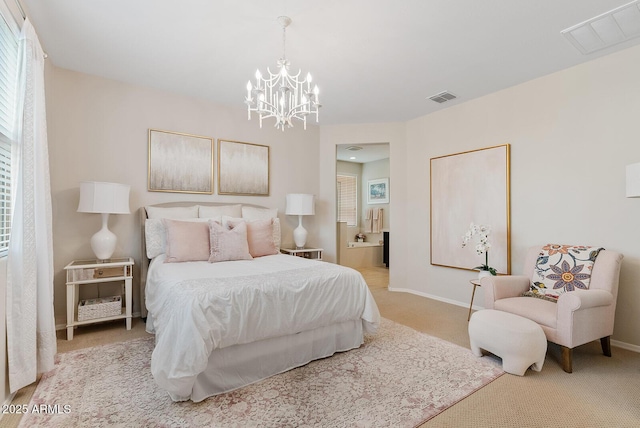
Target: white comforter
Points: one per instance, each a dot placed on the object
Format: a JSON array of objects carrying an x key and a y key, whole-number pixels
[{"x": 197, "y": 307}]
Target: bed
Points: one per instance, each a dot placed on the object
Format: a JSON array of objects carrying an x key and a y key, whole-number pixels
[{"x": 225, "y": 324}]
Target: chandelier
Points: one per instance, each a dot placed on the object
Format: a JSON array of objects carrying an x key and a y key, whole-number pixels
[{"x": 282, "y": 95}]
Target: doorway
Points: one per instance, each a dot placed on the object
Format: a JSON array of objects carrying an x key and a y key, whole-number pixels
[{"x": 363, "y": 213}]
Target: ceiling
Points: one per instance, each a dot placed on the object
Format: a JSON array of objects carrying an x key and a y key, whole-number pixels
[
  {"x": 362, "y": 153},
  {"x": 373, "y": 60}
]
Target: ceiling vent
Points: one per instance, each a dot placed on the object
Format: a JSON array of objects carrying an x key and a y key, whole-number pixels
[
  {"x": 442, "y": 97},
  {"x": 610, "y": 28},
  {"x": 354, "y": 148}
]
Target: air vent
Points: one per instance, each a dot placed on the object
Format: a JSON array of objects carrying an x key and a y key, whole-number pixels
[
  {"x": 442, "y": 97},
  {"x": 610, "y": 28},
  {"x": 354, "y": 148}
]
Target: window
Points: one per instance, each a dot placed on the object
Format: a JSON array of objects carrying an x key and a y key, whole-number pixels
[
  {"x": 348, "y": 199},
  {"x": 8, "y": 89}
]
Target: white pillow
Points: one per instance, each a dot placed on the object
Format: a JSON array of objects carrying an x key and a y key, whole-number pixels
[
  {"x": 172, "y": 212},
  {"x": 253, "y": 213},
  {"x": 206, "y": 211},
  {"x": 155, "y": 236}
]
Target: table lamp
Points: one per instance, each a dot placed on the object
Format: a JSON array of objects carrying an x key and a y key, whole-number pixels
[
  {"x": 104, "y": 198},
  {"x": 300, "y": 204}
]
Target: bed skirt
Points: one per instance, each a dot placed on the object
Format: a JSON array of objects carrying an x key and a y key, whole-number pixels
[{"x": 240, "y": 365}]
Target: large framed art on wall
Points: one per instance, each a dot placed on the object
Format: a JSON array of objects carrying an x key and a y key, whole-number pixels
[
  {"x": 471, "y": 187},
  {"x": 178, "y": 162},
  {"x": 243, "y": 168}
]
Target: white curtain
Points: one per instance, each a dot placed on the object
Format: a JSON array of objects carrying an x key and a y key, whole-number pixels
[{"x": 31, "y": 335}]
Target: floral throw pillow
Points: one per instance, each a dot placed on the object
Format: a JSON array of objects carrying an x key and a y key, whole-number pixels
[{"x": 560, "y": 269}]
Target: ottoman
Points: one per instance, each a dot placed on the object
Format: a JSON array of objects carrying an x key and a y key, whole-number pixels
[{"x": 520, "y": 342}]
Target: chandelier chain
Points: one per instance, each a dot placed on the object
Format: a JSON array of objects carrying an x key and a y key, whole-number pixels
[{"x": 284, "y": 42}]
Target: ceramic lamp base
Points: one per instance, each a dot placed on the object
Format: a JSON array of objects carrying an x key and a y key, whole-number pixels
[
  {"x": 300, "y": 234},
  {"x": 103, "y": 242}
]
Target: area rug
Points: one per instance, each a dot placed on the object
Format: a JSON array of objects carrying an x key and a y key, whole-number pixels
[{"x": 398, "y": 378}]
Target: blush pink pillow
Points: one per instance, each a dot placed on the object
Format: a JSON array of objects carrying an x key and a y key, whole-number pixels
[
  {"x": 186, "y": 241},
  {"x": 259, "y": 237},
  {"x": 227, "y": 245}
]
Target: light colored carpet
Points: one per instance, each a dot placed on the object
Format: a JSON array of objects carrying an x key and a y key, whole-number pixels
[
  {"x": 601, "y": 391},
  {"x": 398, "y": 378}
]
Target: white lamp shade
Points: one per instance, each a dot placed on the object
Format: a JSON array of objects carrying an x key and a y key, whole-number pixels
[
  {"x": 104, "y": 198},
  {"x": 300, "y": 204},
  {"x": 633, "y": 180}
]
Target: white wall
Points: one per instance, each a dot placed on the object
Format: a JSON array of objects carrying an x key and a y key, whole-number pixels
[
  {"x": 98, "y": 131},
  {"x": 571, "y": 133}
]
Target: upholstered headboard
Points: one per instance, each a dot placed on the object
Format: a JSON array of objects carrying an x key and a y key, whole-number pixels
[{"x": 144, "y": 260}]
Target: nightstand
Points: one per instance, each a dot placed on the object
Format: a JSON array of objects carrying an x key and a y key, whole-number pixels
[
  {"x": 307, "y": 253},
  {"x": 81, "y": 272}
]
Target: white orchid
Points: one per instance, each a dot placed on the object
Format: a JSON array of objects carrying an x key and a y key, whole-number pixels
[{"x": 483, "y": 245}]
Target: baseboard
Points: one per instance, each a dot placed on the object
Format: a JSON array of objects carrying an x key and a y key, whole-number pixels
[
  {"x": 64, "y": 325},
  {"x": 432, "y": 297},
  {"x": 624, "y": 345},
  {"x": 616, "y": 343}
]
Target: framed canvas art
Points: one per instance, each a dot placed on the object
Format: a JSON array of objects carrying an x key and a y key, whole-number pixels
[
  {"x": 178, "y": 162},
  {"x": 243, "y": 168},
  {"x": 471, "y": 187},
  {"x": 378, "y": 191}
]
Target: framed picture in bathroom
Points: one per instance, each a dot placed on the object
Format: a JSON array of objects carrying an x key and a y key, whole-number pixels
[{"x": 378, "y": 191}]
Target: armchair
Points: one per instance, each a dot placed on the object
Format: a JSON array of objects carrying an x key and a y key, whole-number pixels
[{"x": 578, "y": 317}]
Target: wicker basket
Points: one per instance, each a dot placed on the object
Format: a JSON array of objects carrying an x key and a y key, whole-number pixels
[{"x": 102, "y": 307}]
